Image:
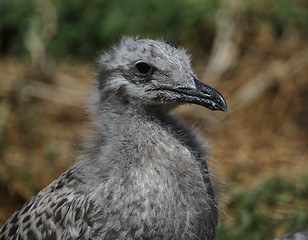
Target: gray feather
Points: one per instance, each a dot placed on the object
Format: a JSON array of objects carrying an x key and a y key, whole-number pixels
[{"x": 142, "y": 175}]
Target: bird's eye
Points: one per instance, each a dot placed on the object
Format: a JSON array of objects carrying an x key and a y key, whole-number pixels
[{"x": 143, "y": 68}]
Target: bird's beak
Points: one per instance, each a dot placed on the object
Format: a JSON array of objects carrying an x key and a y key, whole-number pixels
[
  {"x": 200, "y": 94},
  {"x": 208, "y": 97}
]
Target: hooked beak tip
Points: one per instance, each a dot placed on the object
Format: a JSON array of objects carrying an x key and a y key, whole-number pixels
[
  {"x": 212, "y": 98},
  {"x": 220, "y": 101}
]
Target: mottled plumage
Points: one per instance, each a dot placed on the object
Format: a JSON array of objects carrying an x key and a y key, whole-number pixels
[{"x": 143, "y": 175}]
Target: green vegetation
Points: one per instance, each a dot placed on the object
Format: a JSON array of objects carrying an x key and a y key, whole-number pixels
[
  {"x": 81, "y": 28},
  {"x": 275, "y": 204}
]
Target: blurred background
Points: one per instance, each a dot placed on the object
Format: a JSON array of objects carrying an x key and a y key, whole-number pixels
[{"x": 255, "y": 52}]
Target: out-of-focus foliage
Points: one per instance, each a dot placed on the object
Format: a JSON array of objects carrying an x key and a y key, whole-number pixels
[
  {"x": 14, "y": 16},
  {"x": 84, "y": 27},
  {"x": 283, "y": 14},
  {"x": 259, "y": 213}
]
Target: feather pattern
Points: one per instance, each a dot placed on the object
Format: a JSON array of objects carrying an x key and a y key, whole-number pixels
[{"x": 143, "y": 175}]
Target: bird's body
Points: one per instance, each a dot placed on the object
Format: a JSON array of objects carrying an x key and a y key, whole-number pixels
[
  {"x": 130, "y": 197},
  {"x": 143, "y": 175}
]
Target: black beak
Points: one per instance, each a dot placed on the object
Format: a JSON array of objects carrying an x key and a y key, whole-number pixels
[
  {"x": 207, "y": 96},
  {"x": 202, "y": 94}
]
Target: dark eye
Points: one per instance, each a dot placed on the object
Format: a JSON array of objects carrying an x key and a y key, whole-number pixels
[{"x": 143, "y": 68}]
